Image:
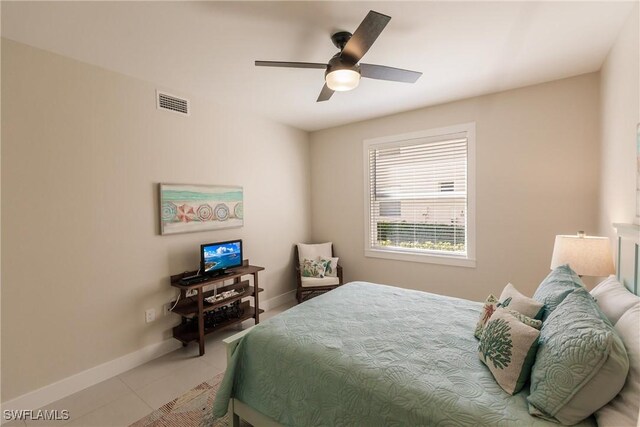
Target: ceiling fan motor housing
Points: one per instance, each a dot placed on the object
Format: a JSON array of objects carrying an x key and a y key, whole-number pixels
[{"x": 339, "y": 63}]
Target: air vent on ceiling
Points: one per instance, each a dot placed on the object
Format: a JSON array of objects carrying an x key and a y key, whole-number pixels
[{"x": 164, "y": 101}]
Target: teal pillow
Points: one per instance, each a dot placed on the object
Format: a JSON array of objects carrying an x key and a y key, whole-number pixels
[
  {"x": 581, "y": 362},
  {"x": 555, "y": 288}
]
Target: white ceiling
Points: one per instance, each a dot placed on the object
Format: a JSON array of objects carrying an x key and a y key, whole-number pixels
[{"x": 207, "y": 49}]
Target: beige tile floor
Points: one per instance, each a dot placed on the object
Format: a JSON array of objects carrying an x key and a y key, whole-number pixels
[{"x": 124, "y": 399}]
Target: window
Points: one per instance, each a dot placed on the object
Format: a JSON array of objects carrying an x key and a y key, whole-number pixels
[
  {"x": 447, "y": 186},
  {"x": 391, "y": 208},
  {"x": 420, "y": 199}
]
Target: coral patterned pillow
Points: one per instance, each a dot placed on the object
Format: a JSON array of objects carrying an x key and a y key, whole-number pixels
[{"x": 508, "y": 348}]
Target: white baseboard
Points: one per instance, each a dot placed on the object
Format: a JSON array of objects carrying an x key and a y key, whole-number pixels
[
  {"x": 67, "y": 386},
  {"x": 278, "y": 300}
]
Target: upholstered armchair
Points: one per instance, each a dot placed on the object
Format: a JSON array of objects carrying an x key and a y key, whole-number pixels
[{"x": 308, "y": 287}]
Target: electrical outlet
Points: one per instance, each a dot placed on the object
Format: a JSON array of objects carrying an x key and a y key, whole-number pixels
[
  {"x": 166, "y": 309},
  {"x": 191, "y": 292},
  {"x": 150, "y": 315}
]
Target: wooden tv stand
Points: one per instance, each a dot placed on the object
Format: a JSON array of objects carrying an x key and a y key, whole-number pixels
[{"x": 195, "y": 306}]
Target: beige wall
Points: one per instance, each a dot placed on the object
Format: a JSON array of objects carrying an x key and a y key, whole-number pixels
[
  {"x": 83, "y": 150},
  {"x": 620, "y": 114},
  {"x": 537, "y": 176}
]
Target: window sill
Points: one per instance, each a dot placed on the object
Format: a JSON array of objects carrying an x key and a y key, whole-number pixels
[{"x": 457, "y": 261}]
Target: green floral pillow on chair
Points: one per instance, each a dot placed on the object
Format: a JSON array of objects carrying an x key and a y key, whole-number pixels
[
  {"x": 313, "y": 268},
  {"x": 331, "y": 266},
  {"x": 508, "y": 348}
]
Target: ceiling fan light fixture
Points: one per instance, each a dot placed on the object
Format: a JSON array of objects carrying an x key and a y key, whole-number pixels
[
  {"x": 344, "y": 70},
  {"x": 343, "y": 80}
]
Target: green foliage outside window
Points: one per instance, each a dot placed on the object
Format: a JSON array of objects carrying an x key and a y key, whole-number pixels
[
  {"x": 415, "y": 235},
  {"x": 432, "y": 246}
]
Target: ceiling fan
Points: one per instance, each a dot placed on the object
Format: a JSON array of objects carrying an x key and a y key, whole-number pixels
[{"x": 343, "y": 71}]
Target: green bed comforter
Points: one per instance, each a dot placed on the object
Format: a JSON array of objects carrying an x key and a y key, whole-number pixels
[{"x": 371, "y": 355}]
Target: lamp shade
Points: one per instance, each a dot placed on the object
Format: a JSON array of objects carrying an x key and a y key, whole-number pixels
[{"x": 586, "y": 255}]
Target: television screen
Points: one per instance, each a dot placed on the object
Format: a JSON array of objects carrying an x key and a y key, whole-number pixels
[{"x": 217, "y": 257}]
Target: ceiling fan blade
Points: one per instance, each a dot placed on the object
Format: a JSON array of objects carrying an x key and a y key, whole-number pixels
[
  {"x": 291, "y": 64},
  {"x": 325, "y": 94},
  {"x": 364, "y": 36},
  {"x": 382, "y": 72}
]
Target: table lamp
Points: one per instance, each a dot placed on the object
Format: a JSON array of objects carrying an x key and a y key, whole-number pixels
[{"x": 586, "y": 255}]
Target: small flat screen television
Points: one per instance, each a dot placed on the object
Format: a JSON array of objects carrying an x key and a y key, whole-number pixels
[{"x": 217, "y": 257}]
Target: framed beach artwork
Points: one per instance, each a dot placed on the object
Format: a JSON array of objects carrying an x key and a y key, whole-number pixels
[{"x": 188, "y": 208}]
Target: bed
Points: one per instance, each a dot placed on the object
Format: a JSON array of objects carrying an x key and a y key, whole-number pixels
[{"x": 369, "y": 354}]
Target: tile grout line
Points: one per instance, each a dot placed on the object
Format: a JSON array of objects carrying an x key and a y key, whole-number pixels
[
  {"x": 204, "y": 363},
  {"x": 150, "y": 383},
  {"x": 165, "y": 373},
  {"x": 111, "y": 401},
  {"x": 139, "y": 397},
  {"x": 142, "y": 398},
  {"x": 70, "y": 420}
]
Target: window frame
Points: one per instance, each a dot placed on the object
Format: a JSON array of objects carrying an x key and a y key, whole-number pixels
[{"x": 411, "y": 255}]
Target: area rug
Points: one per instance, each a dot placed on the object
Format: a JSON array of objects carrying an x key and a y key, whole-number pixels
[{"x": 192, "y": 409}]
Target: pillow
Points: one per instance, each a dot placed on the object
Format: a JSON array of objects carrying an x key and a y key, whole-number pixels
[
  {"x": 513, "y": 299},
  {"x": 490, "y": 306},
  {"x": 508, "y": 348},
  {"x": 613, "y": 298},
  {"x": 331, "y": 265},
  {"x": 581, "y": 362},
  {"x": 623, "y": 409},
  {"x": 312, "y": 268},
  {"x": 534, "y": 323},
  {"x": 555, "y": 288}
]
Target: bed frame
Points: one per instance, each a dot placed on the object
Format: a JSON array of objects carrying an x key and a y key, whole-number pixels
[
  {"x": 237, "y": 408},
  {"x": 628, "y": 266},
  {"x": 628, "y": 262}
]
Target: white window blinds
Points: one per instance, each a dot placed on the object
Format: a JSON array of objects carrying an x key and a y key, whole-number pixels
[{"x": 426, "y": 178}]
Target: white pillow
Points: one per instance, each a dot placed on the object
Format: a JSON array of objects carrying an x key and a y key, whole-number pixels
[
  {"x": 613, "y": 298},
  {"x": 624, "y": 409},
  {"x": 332, "y": 266},
  {"x": 514, "y": 300}
]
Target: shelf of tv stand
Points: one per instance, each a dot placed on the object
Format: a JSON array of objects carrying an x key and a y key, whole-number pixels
[
  {"x": 192, "y": 308},
  {"x": 189, "y": 306},
  {"x": 186, "y": 334},
  {"x": 231, "y": 274}
]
